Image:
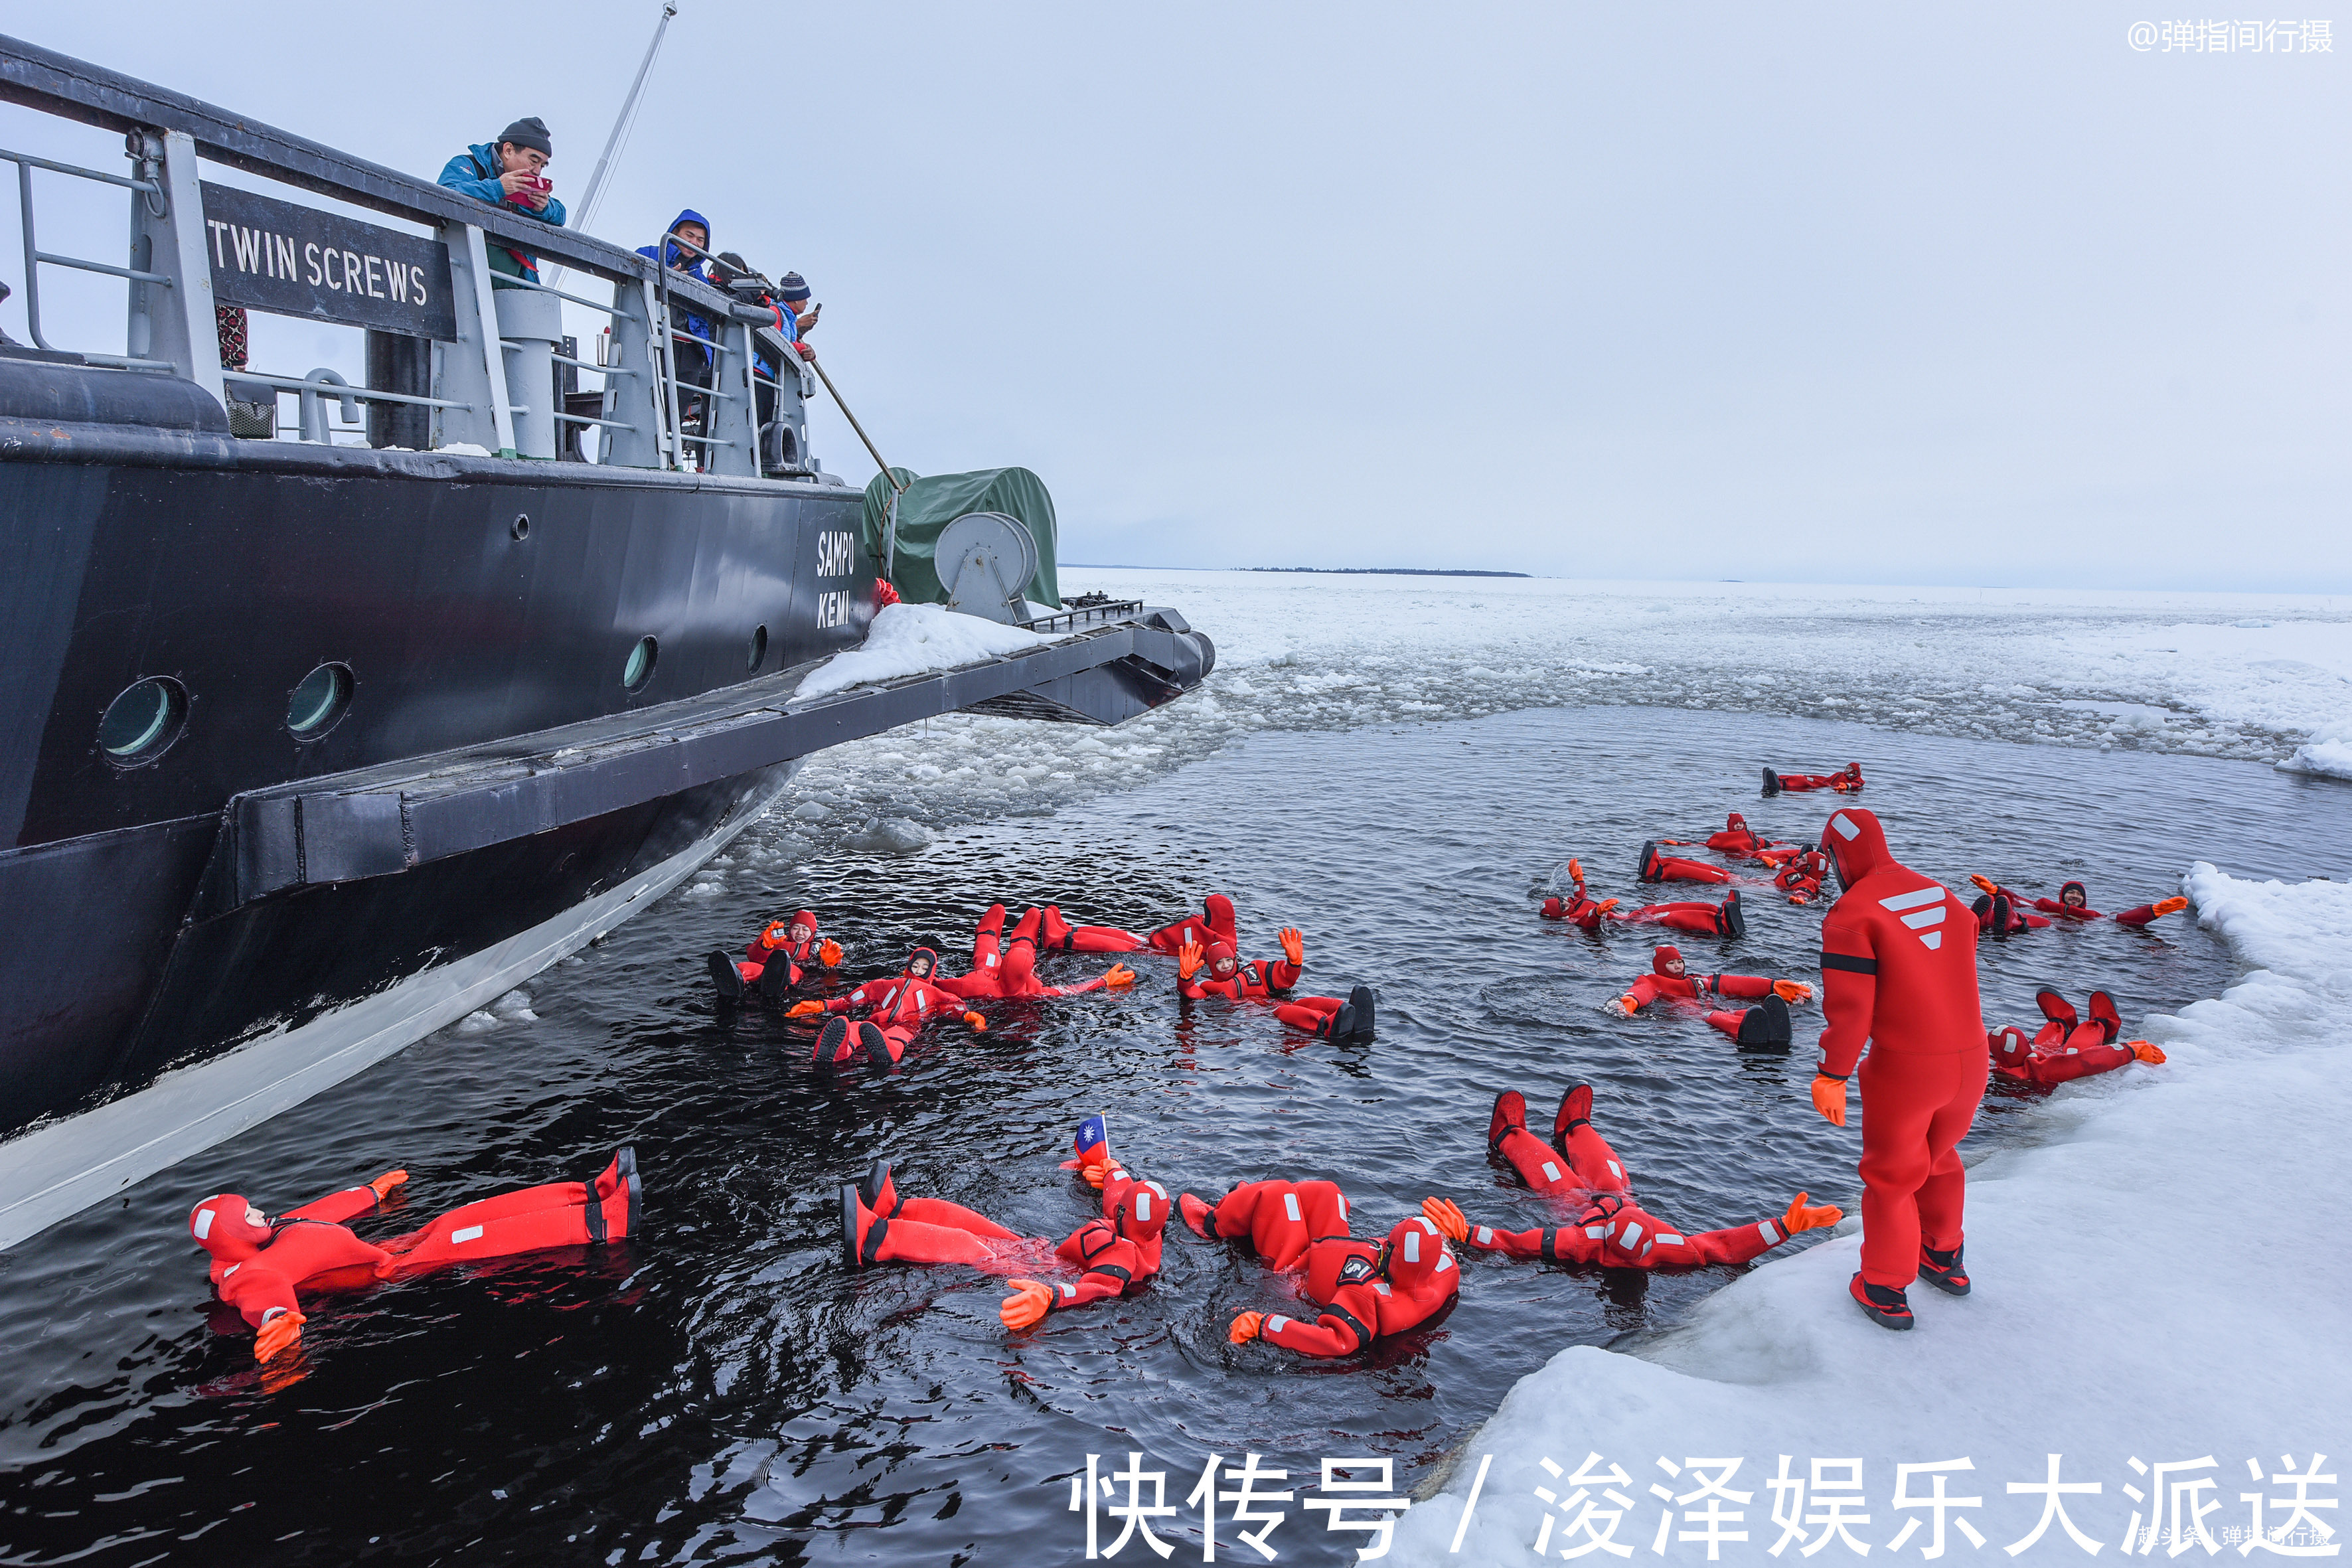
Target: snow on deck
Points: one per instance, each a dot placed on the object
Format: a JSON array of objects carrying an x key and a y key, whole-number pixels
[
  {"x": 2163, "y": 1279},
  {"x": 916, "y": 639}
]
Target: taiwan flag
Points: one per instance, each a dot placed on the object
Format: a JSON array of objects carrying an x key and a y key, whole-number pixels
[{"x": 1092, "y": 1144}]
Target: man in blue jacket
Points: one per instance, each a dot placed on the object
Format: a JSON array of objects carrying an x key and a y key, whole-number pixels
[
  {"x": 509, "y": 172},
  {"x": 692, "y": 359}
]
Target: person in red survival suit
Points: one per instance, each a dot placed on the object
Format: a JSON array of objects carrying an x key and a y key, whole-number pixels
[
  {"x": 1214, "y": 923},
  {"x": 2068, "y": 1046},
  {"x": 1801, "y": 876},
  {"x": 1112, "y": 1255},
  {"x": 771, "y": 961},
  {"x": 901, "y": 1005},
  {"x": 2000, "y": 912},
  {"x": 1657, "y": 867},
  {"x": 2073, "y": 903},
  {"x": 1326, "y": 1018},
  {"x": 1701, "y": 919},
  {"x": 1359, "y": 1291},
  {"x": 1899, "y": 973},
  {"x": 1003, "y": 968},
  {"x": 1846, "y": 781},
  {"x": 257, "y": 1266},
  {"x": 1611, "y": 1228},
  {"x": 1757, "y": 1028}
]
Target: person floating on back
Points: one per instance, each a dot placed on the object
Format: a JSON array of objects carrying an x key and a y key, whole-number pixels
[
  {"x": 900, "y": 1005},
  {"x": 772, "y": 961},
  {"x": 1003, "y": 968},
  {"x": 2067, "y": 1046},
  {"x": 1658, "y": 868},
  {"x": 1610, "y": 1229},
  {"x": 259, "y": 1265},
  {"x": 1765, "y": 1027},
  {"x": 1215, "y": 971},
  {"x": 1846, "y": 781},
  {"x": 1213, "y": 923}
]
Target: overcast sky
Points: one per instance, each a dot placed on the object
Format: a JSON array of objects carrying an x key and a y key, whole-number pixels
[{"x": 1831, "y": 292}]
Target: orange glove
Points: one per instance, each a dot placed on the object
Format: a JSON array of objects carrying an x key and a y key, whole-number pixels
[
  {"x": 1293, "y": 945},
  {"x": 1983, "y": 885},
  {"x": 1575, "y": 871},
  {"x": 2146, "y": 1052},
  {"x": 1447, "y": 1216},
  {"x": 776, "y": 934},
  {"x": 1097, "y": 1175},
  {"x": 2171, "y": 906},
  {"x": 803, "y": 1009},
  {"x": 1623, "y": 1006},
  {"x": 1800, "y": 1218},
  {"x": 1247, "y": 1326},
  {"x": 1604, "y": 905},
  {"x": 829, "y": 953},
  {"x": 1829, "y": 1099},
  {"x": 1792, "y": 990},
  {"x": 1027, "y": 1306},
  {"x": 1120, "y": 976},
  {"x": 385, "y": 1183},
  {"x": 975, "y": 1023},
  {"x": 1187, "y": 959},
  {"x": 282, "y": 1332}
]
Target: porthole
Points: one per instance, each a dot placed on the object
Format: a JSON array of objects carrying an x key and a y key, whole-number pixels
[
  {"x": 758, "y": 654},
  {"x": 319, "y": 704},
  {"x": 640, "y": 666},
  {"x": 142, "y": 722},
  {"x": 522, "y": 530}
]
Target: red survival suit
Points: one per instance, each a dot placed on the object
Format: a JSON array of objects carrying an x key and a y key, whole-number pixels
[
  {"x": 1611, "y": 1228},
  {"x": 1356, "y": 1290},
  {"x": 1701, "y": 919},
  {"x": 771, "y": 961},
  {"x": 1004, "y": 968},
  {"x": 1111, "y": 1255},
  {"x": 1765, "y": 1026},
  {"x": 258, "y": 1267},
  {"x": 1214, "y": 923},
  {"x": 1801, "y": 876},
  {"x": 1845, "y": 782},
  {"x": 1899, "y": 973},
  {"x": 2073, "y": 903},
  {"x": 901, "y": 1005},
  {"x": 2066, "y": 1046},
  {"x": 1658, "y": 868},
  {"x": 1263, "y": 980}
]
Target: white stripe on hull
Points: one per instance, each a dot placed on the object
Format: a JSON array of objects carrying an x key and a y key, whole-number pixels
[{"x": 57, "y": 1169}]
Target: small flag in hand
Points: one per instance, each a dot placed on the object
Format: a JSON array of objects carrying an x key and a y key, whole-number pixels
[{"x": 1092, "y": 1144}]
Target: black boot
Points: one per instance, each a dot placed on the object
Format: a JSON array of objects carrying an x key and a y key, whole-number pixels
[
  {"x": 1360, "y": 1001},
  {"x": 776, "y": 979},
  {"x": 1731, "y": 920},
  {"x": 829, "y": 1039},
  {"x": 1340, "y": 1028},
  {"x": 723, "y": 977},
  {"x": 1771, "y": 781},
  {"x": 1650, "y": 858},
  {"x": 1887, "y": 1308},
  {"x": 626, "y": 1161},
  {"x": 1943, "y": 1270},
  {"x": 877, "y": 1190},
  {"x": 878, "y": 1048},
  {"x": 1765, "y": 1027}
]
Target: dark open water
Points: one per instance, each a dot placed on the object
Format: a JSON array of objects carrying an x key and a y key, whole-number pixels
[{"x": 721, "y": 1390}]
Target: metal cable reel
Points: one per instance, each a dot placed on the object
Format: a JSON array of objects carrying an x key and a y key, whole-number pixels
[{"x": 985, "y": 560}]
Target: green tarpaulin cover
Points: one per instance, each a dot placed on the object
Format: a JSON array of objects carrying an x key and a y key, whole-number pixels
[{"x": 930, "y": 505}]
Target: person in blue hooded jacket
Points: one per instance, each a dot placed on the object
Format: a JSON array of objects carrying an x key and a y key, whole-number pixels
[
  {"x": 692, "y": 359},
  {"x": 509, "y": 172}
]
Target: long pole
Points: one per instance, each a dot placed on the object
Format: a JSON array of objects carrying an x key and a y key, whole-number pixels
[
  {"x": 620, "y": 125},
  {"x": 898, "y": 490}
]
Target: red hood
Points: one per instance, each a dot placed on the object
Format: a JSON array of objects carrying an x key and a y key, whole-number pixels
[
  {"x": 1855, "y": 844},
  {"x": 1139, "y": 1212},
  {"x": 1664, "y": 956},
  {"x": 805, "y": 918},
  {"x": 1218, "y": 910},
  {"x": 2078, "y": 887},
  {"x": 220, "y": 1227},
  {"x": 1416, "y": 1254},
  {"x": 932, "y": 973},
  {"x": 1735, "y": 823}
]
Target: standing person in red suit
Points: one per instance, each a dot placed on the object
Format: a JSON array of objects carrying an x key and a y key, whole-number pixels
[
  {"x": 259, "y": 1265},
  {"x": 1611, "y": 1228},
  {"x": 2068, "y": 1046},
  {"x": 1003, "y": 968},
  {"x": 771, "y": 961},
  {"x": 1846, "y": 781},
  {"x": 1214, "y": 923},
  {"x": 1326, "y": 1018},
  {"x": 900, "y": 1004},
  {"x": 1899, "y": 974},
  {"x": 1757, "y": 1028}
]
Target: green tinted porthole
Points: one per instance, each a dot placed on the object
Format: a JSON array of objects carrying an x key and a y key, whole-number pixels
[
  {"x": 143, "y": 722},
  {"x": 319, "y": 702},
  {"x": 759, "y": 652},
  {"x": 640, "y": 666}
]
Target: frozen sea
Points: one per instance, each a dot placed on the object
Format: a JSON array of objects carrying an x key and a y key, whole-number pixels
[{"x": 1398, "y": 765}]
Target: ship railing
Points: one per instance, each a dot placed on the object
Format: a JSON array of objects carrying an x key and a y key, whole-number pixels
[
  {"x": 498, "y": 341},
  {"x": 1084, "y": 615}
]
